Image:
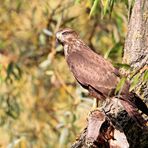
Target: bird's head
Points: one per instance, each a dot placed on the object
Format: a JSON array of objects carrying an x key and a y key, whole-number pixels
[{"x": 66, "y": 35}]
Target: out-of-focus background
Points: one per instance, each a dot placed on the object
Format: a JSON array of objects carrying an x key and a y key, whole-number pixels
[{"x": 41, "y": 105}]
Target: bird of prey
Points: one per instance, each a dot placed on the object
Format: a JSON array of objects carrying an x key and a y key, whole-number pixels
[{"x": 96, "y": 74}]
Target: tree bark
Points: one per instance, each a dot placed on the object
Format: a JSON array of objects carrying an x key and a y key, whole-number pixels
[{"x": 136, "y": 44}]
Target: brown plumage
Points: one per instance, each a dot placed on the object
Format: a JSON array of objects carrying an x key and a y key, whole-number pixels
[{"x": 96, "y": 74}]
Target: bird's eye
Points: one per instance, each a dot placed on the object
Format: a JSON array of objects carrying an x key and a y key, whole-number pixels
[{"x": 67, "y": 32}]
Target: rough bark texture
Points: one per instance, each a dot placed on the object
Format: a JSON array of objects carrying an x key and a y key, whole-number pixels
[
  {"x": 136, "y": 55},
  {"x": 110, "y": 126},
  {"x": 136, "y": 45}
]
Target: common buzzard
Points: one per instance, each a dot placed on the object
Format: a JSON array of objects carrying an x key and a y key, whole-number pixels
[{"x": 96, "y": 74}]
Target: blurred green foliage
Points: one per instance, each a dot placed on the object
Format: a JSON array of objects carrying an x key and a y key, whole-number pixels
[{"x": 41, "y": 105}]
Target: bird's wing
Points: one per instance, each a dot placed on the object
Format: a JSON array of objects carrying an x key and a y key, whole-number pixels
[{"x": 93, "y": 70}]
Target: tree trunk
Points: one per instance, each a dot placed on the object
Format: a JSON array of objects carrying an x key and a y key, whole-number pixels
[
  {"x": 111, "y": 126},
  {"x": 136, "y": 44}
]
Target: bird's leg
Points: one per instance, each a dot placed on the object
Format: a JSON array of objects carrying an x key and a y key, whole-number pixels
[
  {"x": 96, "y": 96},
  {"x": 105, "y": 105},
  {"x": 95, "y": 104}
]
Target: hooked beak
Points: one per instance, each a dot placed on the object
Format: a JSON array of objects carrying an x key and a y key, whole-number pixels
[
  {"x": 58, "y": 38},
  {"x": 57, "y": 43},
  {"x": 59, "y": 35}
]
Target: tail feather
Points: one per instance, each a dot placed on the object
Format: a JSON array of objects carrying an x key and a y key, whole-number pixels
[
  {"x": 133, "y": 113},
  {"x": 139, "y": 103}
]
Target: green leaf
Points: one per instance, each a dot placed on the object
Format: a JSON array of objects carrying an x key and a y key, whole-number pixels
[
  {"x": 120, "y": 65},
  {"x": 130, "y": 6},
  {"x": 42, "y": 39},
  {"x": 111, "y": 5},
  {"x": 1, "y": 77},
  {"x": 13, "y": 108},
  {"x": 94, "y": 8},
  {"x": 2, "y": 120},
  {"x": 108, "y": 6},
  {"x": 114, "y": 50},
  {"x": 19, "y": 71},
  {"x": 1, "y": 66},
  {"x": 135, "y": 81},
  {"x": 74, "y": 118},
  {"x": 77, "y": 1},
  {"x": 10, "y": 69},
  {"x": 120, "y": 85},
  {"x": 13, "y": 70},
  {"x": 63, "y": 137},
  {"x": 119, "y": 22},
  {"x": 2, "y": 45},
  {"x": 145, "y": 76},
  {"x": 126, "y": 3}
]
